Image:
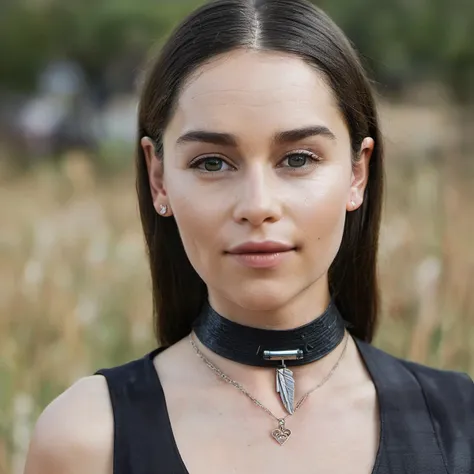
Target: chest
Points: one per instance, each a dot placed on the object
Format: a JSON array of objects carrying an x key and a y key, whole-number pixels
[{"x": 214, "y": 435}]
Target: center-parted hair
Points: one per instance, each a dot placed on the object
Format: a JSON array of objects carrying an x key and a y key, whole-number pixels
[{"x": 289, "y": 26}]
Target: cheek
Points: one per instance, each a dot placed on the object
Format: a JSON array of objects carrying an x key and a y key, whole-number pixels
[
  {"x": 320, "y": 212},
  {"x": 197, "y": 216}
]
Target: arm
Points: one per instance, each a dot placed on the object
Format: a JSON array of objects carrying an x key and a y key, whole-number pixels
[{"x": 74, "y": 434}]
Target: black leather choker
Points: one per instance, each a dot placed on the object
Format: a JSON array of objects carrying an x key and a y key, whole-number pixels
[{"x": 269, "y": 347}]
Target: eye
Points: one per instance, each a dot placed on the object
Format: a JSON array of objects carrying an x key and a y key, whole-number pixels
[
  {"x": 209, "y": 164},
  {"x": 300, "y": 159}
]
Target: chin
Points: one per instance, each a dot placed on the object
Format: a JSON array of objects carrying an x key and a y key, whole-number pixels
[{"x": 262, "y": 296}]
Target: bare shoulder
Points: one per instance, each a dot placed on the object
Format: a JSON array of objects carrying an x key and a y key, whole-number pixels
[{"x": 74, "y": 434}]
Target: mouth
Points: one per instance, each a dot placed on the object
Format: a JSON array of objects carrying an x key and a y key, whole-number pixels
[
  {"x": 266, "y": 247},
  {"x": 266, "y": 254}
]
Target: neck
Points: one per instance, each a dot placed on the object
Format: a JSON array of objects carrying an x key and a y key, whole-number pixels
[
  {"x": 260, "y": 381},
  {"x": 297, "y": 312},
  {"x": 270, "y": 347},
  {"x": 313, "y": 334}
]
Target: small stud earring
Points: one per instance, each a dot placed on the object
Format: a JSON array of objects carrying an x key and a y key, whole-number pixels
[
  {"x": 163, "y": 209},
  {"x": 353, "y": 204}
]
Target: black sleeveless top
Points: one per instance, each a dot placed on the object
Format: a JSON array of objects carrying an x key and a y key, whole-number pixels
[{"x": 426, "y": 418}]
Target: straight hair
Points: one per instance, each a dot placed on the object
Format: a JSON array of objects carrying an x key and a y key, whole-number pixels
[{"x": 290, "y": 26}]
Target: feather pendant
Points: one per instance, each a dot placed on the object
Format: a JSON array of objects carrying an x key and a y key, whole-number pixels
[{"x": 285, "y": 386}]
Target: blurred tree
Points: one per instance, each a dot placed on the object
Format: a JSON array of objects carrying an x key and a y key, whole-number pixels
[
  {"x": 403, "y": 41},
  {"x": 98, "y": 34}
]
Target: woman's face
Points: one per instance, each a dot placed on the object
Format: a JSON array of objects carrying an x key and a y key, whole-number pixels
[{"x": 257, "y": 151}]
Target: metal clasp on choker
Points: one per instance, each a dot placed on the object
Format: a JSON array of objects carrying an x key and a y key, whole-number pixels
[{"x": 293, "y": 354}]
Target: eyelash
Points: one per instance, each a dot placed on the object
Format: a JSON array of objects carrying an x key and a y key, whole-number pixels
[{"x": 311, "y": 156}]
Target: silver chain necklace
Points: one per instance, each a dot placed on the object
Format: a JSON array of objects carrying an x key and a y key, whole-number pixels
[{"x": 280, "y": 434}]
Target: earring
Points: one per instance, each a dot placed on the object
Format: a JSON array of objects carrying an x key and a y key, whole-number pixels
[
  {"x": 353, "y": 204},
  {"x": 163, "y": 209}
]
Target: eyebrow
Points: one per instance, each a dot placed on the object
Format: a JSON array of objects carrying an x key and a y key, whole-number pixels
[{"x": 227, "y": 139}]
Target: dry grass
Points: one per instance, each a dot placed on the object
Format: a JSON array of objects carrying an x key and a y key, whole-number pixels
[{"x": 74, "y": 288}]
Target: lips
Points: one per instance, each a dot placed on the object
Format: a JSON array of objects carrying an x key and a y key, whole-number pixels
[
  {"x": 261, "y": 248},
  {"x": 262, "y": 255}
]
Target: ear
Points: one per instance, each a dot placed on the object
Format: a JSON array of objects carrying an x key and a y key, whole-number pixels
[
  {"x": 156, "y": 176},
  {"x": 360, "y": 175}
]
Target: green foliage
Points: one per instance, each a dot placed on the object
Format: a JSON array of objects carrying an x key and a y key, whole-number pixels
[
  {"x": 412, "y": 41},
  {"x": 402, "y": 41},
  {"x": 94, "y": 32}
]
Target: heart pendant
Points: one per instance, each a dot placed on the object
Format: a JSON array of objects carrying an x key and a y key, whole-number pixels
[{"x": 281, "y": 434}]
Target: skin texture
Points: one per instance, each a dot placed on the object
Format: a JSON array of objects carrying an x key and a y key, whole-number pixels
[
  {"x": 258, "y": 195},
  {"x": 253, "y": 190}
]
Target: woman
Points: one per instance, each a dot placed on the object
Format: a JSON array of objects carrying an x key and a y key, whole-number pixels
[{"x": 260, "y": 182}]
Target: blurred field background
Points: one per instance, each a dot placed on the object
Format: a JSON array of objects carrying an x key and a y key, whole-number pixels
[{"x": 74, "y": 285}]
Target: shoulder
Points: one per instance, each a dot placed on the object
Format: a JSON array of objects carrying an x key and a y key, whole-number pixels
[
  {"x": 74, "y": 434},
  {"x": 448, "y": 385},
  {"x": 447, "y": 395},
  {"x": 452, "y": 383},
  {"x": 447, "y": 392}
]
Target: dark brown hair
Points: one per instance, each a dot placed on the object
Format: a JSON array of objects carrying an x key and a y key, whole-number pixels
[{"x": 289, "y": 26}]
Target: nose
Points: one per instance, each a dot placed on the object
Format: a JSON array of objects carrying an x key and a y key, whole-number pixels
[{"x": 257, "y": 198}]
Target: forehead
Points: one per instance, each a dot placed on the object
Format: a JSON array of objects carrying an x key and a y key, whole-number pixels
[{"x": 241, "y": 89}]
